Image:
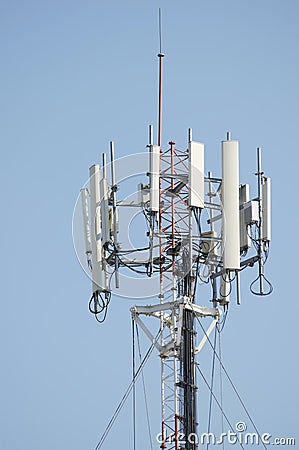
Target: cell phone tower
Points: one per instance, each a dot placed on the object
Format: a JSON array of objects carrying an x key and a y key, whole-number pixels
[{"x": 182, "y": 249}]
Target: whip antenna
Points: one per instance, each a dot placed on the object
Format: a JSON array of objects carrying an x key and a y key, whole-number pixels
[
  {"x": 160, "y": 30},
  {"x": 160, "y": 56}
]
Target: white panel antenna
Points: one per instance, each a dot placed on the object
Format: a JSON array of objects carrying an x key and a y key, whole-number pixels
[
  {"x": 154, "y": 178},
  {"x": 196, "y": 174},
  {"x": 104, "y": 193},
  {"x": 114, "y": 213},
  {"x": 95, "y": 221},
  {"x": 244, "y": 194},
  {"x": 86, "y": 225},
  {"x": 230, "y": 201},
  {"x": 266, "y": 209},
  {"x": 245, "y": 241}
]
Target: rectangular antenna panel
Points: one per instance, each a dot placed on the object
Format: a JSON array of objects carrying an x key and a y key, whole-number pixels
[
  {"x": 196, "y": 174},
  {"x": 95, "y": 222},
  {"x": 245, "y": 241},
  {"x": 85, "y": 213},
  {"x": 266, "y": 209},
  {"x": 111, "y": 221},
  {"x": 154, "y": 178},
  {"x": 244, "y": 194},
  {"x": 104, "y": 210},
  {"x": 230, "y": 202}
]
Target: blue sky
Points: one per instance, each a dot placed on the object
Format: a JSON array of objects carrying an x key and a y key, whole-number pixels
[{"x": 75, "y": 75}]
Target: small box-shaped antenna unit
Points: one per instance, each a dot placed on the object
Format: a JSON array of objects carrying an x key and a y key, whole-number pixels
[
  {"x": 154, "y": 178},
  {"x": 230, "y": 202},
  {"x": 196, "y": 174},
  {"x": 95, "y": 223},
  {"x": 225, "y": 289},
  {"x": 266, "y": 209}
]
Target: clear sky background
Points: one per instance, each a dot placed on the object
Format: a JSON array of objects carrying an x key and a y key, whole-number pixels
[{"x": 74, "y": 75}]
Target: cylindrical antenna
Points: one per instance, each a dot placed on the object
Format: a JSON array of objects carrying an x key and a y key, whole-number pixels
[
  {"x": 228, "y": 135},
  {"x": 114, "y": 187},
  {"x": 189, "y": 134},
  {"x": 160, "y": 56}
]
